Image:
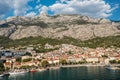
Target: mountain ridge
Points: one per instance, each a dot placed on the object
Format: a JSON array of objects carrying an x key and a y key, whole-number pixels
[{"x": 58, "y": 26}]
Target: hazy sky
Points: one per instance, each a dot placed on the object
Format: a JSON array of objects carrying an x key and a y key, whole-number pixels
[{"x": 95, "y": 8}]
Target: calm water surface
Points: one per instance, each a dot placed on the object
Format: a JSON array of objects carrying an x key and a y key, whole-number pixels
[{"x": 78, "y": 73}]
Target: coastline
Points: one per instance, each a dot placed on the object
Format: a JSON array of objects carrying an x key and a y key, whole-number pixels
[
  {"x": 72, "y": 66},
  {"x": 77, "y": 65},
  {"x": 87, "y": 65},
  {"x": 81, "y": 65}
]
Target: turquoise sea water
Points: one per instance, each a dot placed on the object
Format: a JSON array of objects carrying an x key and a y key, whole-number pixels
[{"x": 78, "y": 73}]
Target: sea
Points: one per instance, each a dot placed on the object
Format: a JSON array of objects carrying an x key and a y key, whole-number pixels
[{"x": 71, "y": 73}]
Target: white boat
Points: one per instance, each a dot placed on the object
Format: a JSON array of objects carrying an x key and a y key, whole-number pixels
[
  {"x": 112, "y": 68},
  {"x": 17, "y": 72},
  {"x": 54, "y": 68},
  {"x": 1, "y": 75},
  {"x": 40, "y": 70},
  {"x": 4, "y": 74}
]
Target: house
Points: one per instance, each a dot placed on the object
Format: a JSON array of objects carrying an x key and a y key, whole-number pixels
[
  {"x": 112, "y": 58},
  {"x": 26, "y": 57},
  {"x": 16, "y": 65},
  {"x": 30, "y": 63},
  {"x": 92, "y": 59},
  {"x": 71, "y": 59},
  {"x": 55, "y": 61},
  {"x": 29, "y": 49},
  {"x": 117, "y": 57},
  {"x": 7, "y": 65},
  {"x": 106, "y": 61}
]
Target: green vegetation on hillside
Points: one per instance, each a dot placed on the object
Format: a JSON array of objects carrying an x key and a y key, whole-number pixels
[
  {"x": 92, "y": 43},
  {"x": 83, "y": 22},
  {"x": 40, "y": 23},
  {"x": 2, "y": 68},
  {"x": 41, "y": 50}
]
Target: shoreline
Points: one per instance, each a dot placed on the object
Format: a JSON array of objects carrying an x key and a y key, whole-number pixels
[
  {"x": 75, "y": 65},
  {"x": 82, "y": 65}
]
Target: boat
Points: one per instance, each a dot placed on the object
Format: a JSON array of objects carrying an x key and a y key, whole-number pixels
[
  {"x": 112, "y": 68},
  {"x": 54, "y": 68},
  {"x": 1, "y": 75},
  {"x": 4, "y": 74},
  {"x": 33, "y": 70},
  {"x": 40, "y": 70},
  {"x": 16, "y": 72}
]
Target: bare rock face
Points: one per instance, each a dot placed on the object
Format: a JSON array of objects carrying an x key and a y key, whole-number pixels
[
  {"x": 104, "y": 21},
  {"x": 23, "y": 32},
  {"x": 105, "y": 30},
  {"x": 58, "y": 26},
  {"x": 7, "y": 31}
]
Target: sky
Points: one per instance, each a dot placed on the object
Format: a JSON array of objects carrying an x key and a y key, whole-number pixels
[{"x": 109, "y": 9}]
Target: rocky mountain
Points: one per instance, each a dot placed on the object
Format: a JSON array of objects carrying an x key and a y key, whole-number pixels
[{"x": 58, "y": 26}]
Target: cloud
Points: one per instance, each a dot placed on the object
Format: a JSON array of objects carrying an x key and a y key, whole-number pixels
[
  {"x": 38, "y": 6},
  {"x": 93, "y": 8},
  {"x": 4, "y": 7},
  {"x": 31, "y": 14},
  {"x": 21, "y": 6},
  {"x": 43, "y": 9}
]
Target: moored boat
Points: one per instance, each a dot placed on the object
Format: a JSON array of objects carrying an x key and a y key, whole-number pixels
[
  {"x": 33, "y": 70},
  {"x": 15, "y": 72},
  {"x": 4, "y": 74},
  {"x": 41, "y": 70},
  {"x": 54, "y": 68},
  {"x": 112, "y": 67},
  {"x": 1, "y": 75}
]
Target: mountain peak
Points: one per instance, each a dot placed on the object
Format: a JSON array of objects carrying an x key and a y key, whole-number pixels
[{"x": 44, "y": 14}]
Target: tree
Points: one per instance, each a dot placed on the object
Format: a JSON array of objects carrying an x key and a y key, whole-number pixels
[
  {"x": 28, "y": 53},
  {"x": 2, "y": 68},
  {"x": 24, "y": 67},
  {"x": 63, "y": 61},
  {"x": 118, "y": 61},
  {"x": 104, "y": 56},
  {"x": 19, "y": 59},
  {"x": 45, "y": 63},
  {"x": 112, "y": 61},
  {"x": 27, "y": 60},
  {"x": 70, "y": 52}
]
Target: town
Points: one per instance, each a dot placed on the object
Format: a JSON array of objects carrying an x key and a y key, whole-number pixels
[{"x": 66, "y": 54}]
